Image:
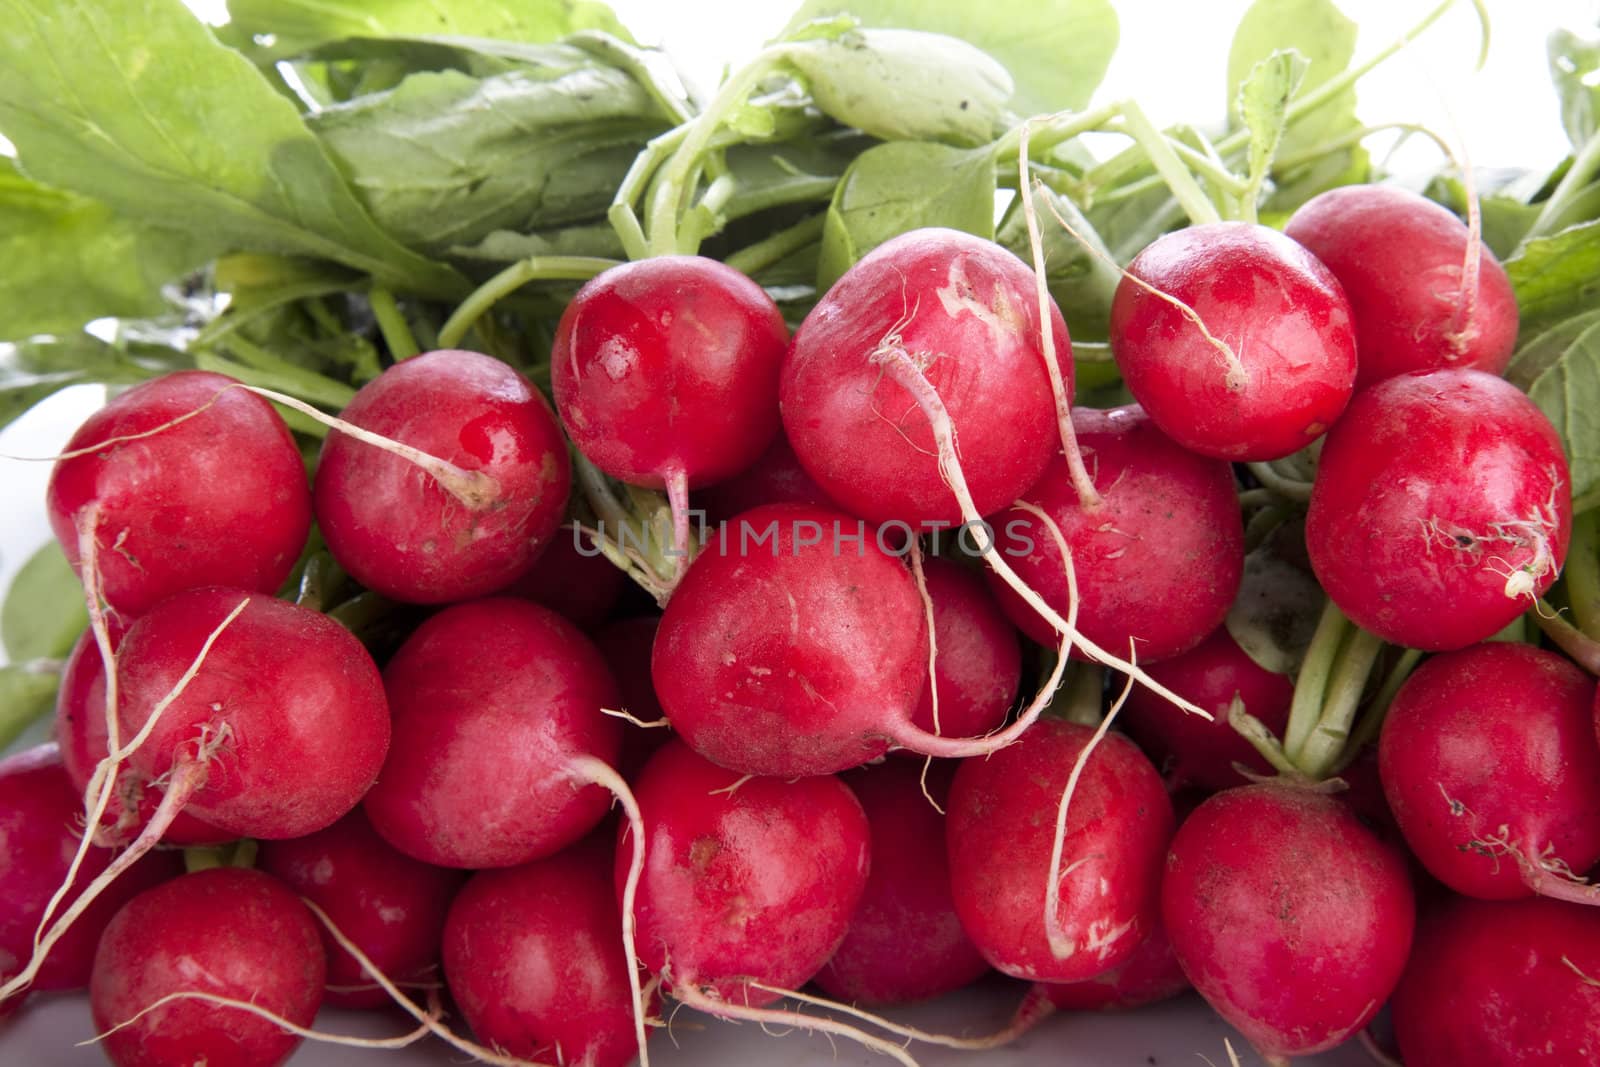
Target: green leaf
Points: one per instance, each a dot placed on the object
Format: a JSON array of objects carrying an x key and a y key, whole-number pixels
[
  {"x": 1263, "y": 105},
  {"x": 447, "y": 159},
  {"x": 26, "y": 695},
  {"x": 1575, "y": 69},
  {"x": 1506, "y": 218},
  {"x": 597, "y": 239},
  {"x": 134, "y": 103},
  {"x": 900, "y": 186},
  {"x": 43, "y": 612},
  {"x": 1081, "y": 281},
  {"x": 301, "y": 25},
  {"x": 1567, "y": 390},
  {"x": 1541, "y": 353},
  {"x": 1556, "y": 277},
  {"x": 1056, "y": 50},
  {"x": 34, "y": 369}
]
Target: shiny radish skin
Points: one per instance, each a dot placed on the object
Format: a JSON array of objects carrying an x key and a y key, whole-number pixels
[
  {"x": 392, "y": 906},
  {"x": 80, "y": 730},
  {"x": 1189, "y": 750},
  {"x": 669, "y": 365},
  {"x": 493, "y": 700},
  {"x": 1488, "y": 754},
  {"x": 218, "y": 499},
  {"x": 226, "y": 931},
  {"x": 1291, "y": 364},
  {"x": 1501, "y": 984},
  {"x": 1290, "y": 917},
  {"x": 978, "y": 668},
  {"x": 905, "y": 941},
  {"x": 41, "y": 825},
  {"x": 286, "y": 714},
  {"x": 1152, "y": 974},
  {"x": 533, "y": 958},
  {"x": 1158, "y": 560},
  {"x": 746, "y": 879},
  {"x": 1441, "y": 509},
  {"x": 966, "y": 311},
  {"x": 395, "y": 528},
  {"x": 999, "y": 834},
  {"x": 789, "y": 657},
  {"x": 1399, "y": 258}
]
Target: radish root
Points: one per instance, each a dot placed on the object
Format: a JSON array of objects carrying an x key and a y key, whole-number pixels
[
  {"x": 435, "y": 1009},
  {"x": 701, "y": 1000},
  {"x": 1034, "y": 1008}
]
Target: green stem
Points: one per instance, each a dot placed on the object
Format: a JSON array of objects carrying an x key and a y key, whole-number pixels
[
  {"x": 1284, "y": 486},
  {"x": 1348, "y": 680},
  {"x": 1082, "y": 697},
  {"x": 514, "y": 277},
  {"x": 1261, "y": 739},
  {"x": 1047, "y": 132},
  {"x": 1311, "y": 685},
  {"x": 753, "y": 259},
  {"x": 1367, "y": 729},
  {"x": 1567, "y": 637},
  {"x": 1262, "y": 523},
  {"x": 1582, "y": 573},
  {"x": 1195, "y": 203},
  {"x": 1584, "y": 166},
  {"x": 1257, "y": 498},
  {"x": 1211, "y": 170},
  {"x": 361, "y": 611},
  {"x": 1284, "y": 164},
  {"x": 622, "y": 214},
  {"x": 392, "y": 323}
]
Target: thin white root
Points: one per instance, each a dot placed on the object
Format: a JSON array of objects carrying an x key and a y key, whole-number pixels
[
  {"x": 272, "y": 1017},
  {"x": 921, "y": 578},
  {"x": 594, "y": 771},
  {"x": 643, "y": 724},
  {"x": 1025, "y": 1019},
  {"x": 692, "y": 997}
]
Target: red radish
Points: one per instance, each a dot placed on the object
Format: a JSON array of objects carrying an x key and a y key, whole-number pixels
[
  {"x": 1504, "y": 984},
  {"x": 1489, "y": 762},
  {"x": 1158, "y": 558},
  {"x": 776, "y": 477},
  {"x": 390, "y": 905},
  {"x": 1423, "y": 292},
  {"x": 1190, "y": 750},
  {"x": 193, "y": 486},
  {"x": 965, "y": 313},
  {"x": 1238, "y": 342},
  {"x": 81, "y": 733},
  {"x": 1289, "y": 916},
  {"x": 748, "y": 881},
  {"x": 579, "y": 584},
  {"x": 1150, "y": 975},
  {"x": 1000, "y": 841},
  {"x": 225, "y": 932},
  {"x": 978, "y": 668},
  {"x": 533, "y": 959},
  {"x": 41, "y": 824},
  {"x": 1441, "y": 509},
  {"x": 626, "y": 646},
  {"x": 665, "y": 372},
  {"x": 279, "y": 732},
  {"x": 401, "y": 532},
  {"x": 905, "y": 942},
  {"x": 494, "y": 702}
]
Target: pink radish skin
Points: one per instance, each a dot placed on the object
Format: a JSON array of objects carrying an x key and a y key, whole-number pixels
[
  {"x": 744, "y": 881},
  {"x": 1158, "y": 560},
  {"x": 1290, "y": 364},
  {"x": 1489, "y": 763},
  {"x": 582, "y": 587},
  {"x": 905, "y": 942},
  {"x": 776, "y": 477},
  {"x": 218, "y": 499},
  {"x": 289, "y": 700},
  {"x": 978, "y": 669},
  {"x": 41, "y": 819},
  {"x": 966, "y": 311},
  {"x": 667, "y": 368},
  {"x": 493, "y": 700},
  {"x": 1399, "y": 258},
  {"x": 228, "y": 932},
  {"x": 1503, "y": 984},
  {"x": 395, "y": 528},
  {"x": 1150, "y": 975},
  {"x": 533, "y": 958},
  {"x": 1190, "y": 750},
  {"x": 1290, "y": 917},
  {"x": 81, "y": 733},
  {"x": 999, "y": 833},
  {"x": 392, "y": 906},
  {"x": 785, "y": 658},
  {"x": 1441, "y": 508}
]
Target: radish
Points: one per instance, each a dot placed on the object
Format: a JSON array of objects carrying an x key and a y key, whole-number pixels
[
  {"x": 1159, "y": 552},
  {"x": 533, "y": 960},
  {"x": 626, "y": 646},
  {"x": 1411, "y": 548},
  {"x": 905, "y": 942},
  {"x": 978, "y": 666},
  {"x": 581, "y": 585},
  {"x": 1189, "y": 750},
  {"x": 427, "y": 537},
  {"x": 962, "y": 310},
  {"x": 1489, "y": 763},
  {"x": 182, "y": 481},
  {"x": 226, "y": 933},
  {"x": 41, "y": 821},
  {"x": 389, "y": 904},
  {"x": 1152, "y": 974},
  {"x": 1238, "y": 342},
  {"x": 1289, "y": 916},
  {"x": 665, "y": 372},
  {"x": 1423, "y": 291},
  {"x": 1000, "y": 842},
  {"x": 1502, "y": 984},
  {"x": 776, "y": 477},
  {"x": 497, "y": 713}
]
